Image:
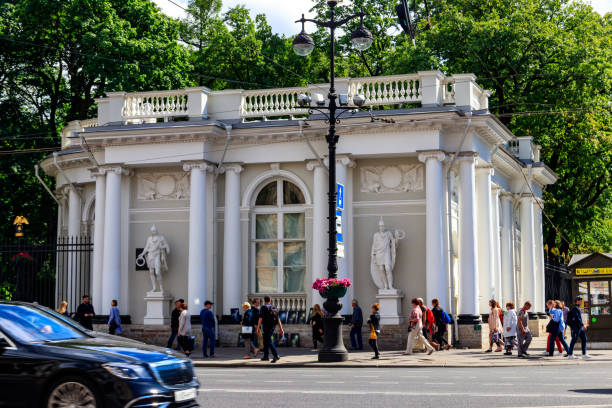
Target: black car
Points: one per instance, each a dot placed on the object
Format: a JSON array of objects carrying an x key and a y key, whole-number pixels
[{"x": 46, "y": 361}]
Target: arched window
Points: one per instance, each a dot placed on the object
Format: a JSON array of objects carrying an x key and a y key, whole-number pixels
[{"x": 278, "y": 241}]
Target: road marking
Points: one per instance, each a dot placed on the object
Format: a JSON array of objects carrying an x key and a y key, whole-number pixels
[
  {"x": 315, "y": 375},
  {"x": 384, "y": 382},
  {"x": 279, "y": 381},
  {"x": 330, "y": 382},
  {"x": 233, "y": 381},
  {"x": 440, "y": 383},
  {"x": 400, "y": 393},
  {"x": 367, "y": 376}
]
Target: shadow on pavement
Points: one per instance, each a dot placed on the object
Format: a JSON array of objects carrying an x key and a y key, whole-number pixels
[{"x": 594, "y": 391}]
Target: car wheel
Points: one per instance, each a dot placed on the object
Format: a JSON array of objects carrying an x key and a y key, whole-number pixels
[{"x": 72, "y": 393}]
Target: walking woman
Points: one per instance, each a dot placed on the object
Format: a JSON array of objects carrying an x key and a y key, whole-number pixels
[
  {"x": 63, "y": 309},
  {"x": 495, "y": 327},
  {"x": 184, "y": 331},
  {"x": 415, "y": 328},
  {"x": 247, "y": 329},
  {"x": 555, "y": 326},
  {"x": 114, "y": 320},
  {"x": 374, "y": 322},
  {"x": 510, "y": 322},
  {"x": 556, "y": 341},
  {"x": 317, "y": 325}
]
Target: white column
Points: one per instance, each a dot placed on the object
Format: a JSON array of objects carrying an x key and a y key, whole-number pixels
[
  {"x": 496, "y": 242},
  {"x": 75, "y": 291},
  {"x": 342, "y": 165},
  {"x": 507, "y": 256},
  {"x": 232, "y": 253},
  {"x": 111, "y": 278},
  {"x": 485, "y": 244},
  {"x": 435, "y": 273},
  {"x": 540, "y": 307},
  {"x": 528, "y": 261},
  {"x": 197, "y": 270},
  {"x": 98, "y": 251},
  {"x": 319, "y": 225},
  {"x": 468, "y": 266}
]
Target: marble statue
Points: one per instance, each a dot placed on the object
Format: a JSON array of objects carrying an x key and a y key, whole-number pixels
[
  {"x": 384, "y": 252},
  {"x": 155, "y": 252}
]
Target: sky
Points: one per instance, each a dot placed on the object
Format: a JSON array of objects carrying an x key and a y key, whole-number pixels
[{"x": 281, "y": 14}]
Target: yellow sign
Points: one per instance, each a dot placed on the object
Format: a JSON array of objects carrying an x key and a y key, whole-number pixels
[
  {"x": 593, "y": 271},
  {"x": 19, "y": 223}
]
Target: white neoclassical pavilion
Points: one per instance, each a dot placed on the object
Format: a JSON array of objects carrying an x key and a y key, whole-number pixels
[{"x": 236, "y": 181}]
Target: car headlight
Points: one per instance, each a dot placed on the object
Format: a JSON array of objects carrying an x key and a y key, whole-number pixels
[{"x": 128, "y": 371}]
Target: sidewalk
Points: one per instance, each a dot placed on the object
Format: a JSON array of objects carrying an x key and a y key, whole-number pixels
[{"x": 302, "y": 357}]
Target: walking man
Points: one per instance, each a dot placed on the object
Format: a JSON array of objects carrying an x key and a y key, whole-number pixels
[
  {"x": 523, "y": 334},
  {"x": 85, "y": 313},
  {"x": 574, "y": 321},
  {"x": 268, "y": 319},
  {"x": 174, "y": 323},
  {"x": 208, "y": 329},
  {"x": 356, "y": 323},
  {"x": 256, "y": 340}
]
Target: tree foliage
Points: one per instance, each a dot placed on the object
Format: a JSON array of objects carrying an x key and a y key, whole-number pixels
[{"x": 548, "y": 63}]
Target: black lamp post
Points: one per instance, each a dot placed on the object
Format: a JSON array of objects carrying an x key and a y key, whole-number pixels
[{"x": 333, "y": 346}]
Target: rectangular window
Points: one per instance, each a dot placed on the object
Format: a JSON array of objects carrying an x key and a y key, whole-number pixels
[
  {"x": 293, "y": 226},
  {"x": 600, "y": 293},
  {"x": 265, "y": 226}
]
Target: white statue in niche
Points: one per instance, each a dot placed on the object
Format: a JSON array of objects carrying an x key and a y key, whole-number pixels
[
  {"x": 384, "y": 253},
  {"x": 155, "y": 252}
]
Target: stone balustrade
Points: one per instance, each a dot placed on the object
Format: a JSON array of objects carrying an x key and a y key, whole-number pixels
[
  {"x": 157, "y": 104},
  {"x": 284, "y": 302},
  {"x": 272, "y": 102},
  {"x": 427, "y": 88},
  {"x": 75, "y": 126}
]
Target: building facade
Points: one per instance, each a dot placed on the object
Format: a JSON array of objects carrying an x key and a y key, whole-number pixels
[{"x": 236, "y": 182}]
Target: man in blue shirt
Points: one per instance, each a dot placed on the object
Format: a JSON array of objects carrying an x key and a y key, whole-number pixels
[
  {"x": 207, "y": 318},
  {"x": 356, "y": 323}
]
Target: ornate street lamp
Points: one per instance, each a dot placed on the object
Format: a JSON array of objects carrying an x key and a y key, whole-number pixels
[{"x": 333, "y": 346}]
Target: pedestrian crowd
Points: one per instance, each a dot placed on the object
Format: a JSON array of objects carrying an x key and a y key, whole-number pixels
[{"x": 428, "y": 326}]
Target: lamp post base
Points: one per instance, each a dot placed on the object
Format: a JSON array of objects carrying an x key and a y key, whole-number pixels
[{"x": 333, "y": 350}]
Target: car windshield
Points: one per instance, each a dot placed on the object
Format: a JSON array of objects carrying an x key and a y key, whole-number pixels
[{"x": 27, "y": 325}]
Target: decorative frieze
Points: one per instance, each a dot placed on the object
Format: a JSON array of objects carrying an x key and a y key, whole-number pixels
[
  {"x": 392, "y": 179},
  {"x": 163, "y": 186}
]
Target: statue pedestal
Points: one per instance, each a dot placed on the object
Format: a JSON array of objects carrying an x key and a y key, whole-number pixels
[
  {"x": 158, "y": 308},
  {"x": 390, "y": 306}
]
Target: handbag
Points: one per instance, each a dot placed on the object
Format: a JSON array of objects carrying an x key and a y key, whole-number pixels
[{"x": 247, "y": 329}]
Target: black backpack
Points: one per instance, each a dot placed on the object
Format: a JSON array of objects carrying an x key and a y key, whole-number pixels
[{"x": 269, "y": 316}]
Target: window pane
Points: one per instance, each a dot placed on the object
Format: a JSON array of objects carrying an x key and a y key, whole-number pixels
[
  {"x": 267, "y": 195},
  {"x": 295, "y": 253},
  {"x": 292, "y": 194},
  {"x": 265, "y": 226},
  {"x": 583, "y": 291},
  {"x": 267, "y": 280},
  {"x": 294, "y": 279},
  {"x": 600, "y": 310},
  {"x": 266, "y": 254},
  {"x": 293, "y": 225},
  {"x": 600, "y": 292}
]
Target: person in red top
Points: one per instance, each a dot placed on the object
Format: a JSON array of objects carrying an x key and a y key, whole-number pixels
[{"x": 429, "y": 324}]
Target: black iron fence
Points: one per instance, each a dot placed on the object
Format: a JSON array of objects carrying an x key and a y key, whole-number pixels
[
  {"x": 46, "y": 271},
  {"x": 558, "y": 283}
]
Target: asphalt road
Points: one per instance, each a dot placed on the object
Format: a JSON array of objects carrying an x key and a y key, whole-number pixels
[{"x": 560, "y": 386}]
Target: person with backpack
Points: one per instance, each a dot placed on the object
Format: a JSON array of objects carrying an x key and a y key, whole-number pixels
[
  {"x": 247, "y": 329},
  {"x": 442, "y": 320},
  {"x": 578, "y": 328},
  {"x": 510, "y": 322},
  {"x": 415, "y": 328},
  {"x": 268, "y": 319}
]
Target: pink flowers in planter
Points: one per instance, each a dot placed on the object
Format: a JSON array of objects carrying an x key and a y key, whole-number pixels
[{"x": 325, "y": 284}]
